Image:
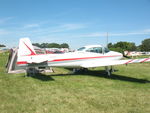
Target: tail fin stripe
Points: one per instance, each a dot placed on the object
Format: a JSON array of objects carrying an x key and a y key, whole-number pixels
[{"x": 32, "y": 52}]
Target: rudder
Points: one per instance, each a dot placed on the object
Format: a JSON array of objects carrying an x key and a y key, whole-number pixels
[{"x": 25, "y": 47}]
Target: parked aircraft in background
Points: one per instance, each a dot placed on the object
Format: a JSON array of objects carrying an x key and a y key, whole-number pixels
[{"x": 85, "y": 57}]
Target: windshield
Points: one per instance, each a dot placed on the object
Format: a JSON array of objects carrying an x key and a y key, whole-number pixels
[
  {"x": 95, "y": 50},
  {"x": 106, "y": 50}
]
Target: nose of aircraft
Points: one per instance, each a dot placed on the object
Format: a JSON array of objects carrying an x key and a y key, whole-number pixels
[{"x": 119, "y": 55}]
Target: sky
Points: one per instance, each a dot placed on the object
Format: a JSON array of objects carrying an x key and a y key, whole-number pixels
[{"x": 76, "y": 22}]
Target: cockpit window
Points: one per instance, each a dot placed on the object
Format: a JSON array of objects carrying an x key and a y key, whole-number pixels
[
  {"x": 80, "y": 49},
  {"x": 106, "y": 50},
  {"x": 95, "y": 50}
]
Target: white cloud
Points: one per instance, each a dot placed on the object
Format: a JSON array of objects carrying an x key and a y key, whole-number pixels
[
  {"x": 96, "y": 34},
  {"x": 31, "y": 25},
  {"x": 146, "y": 31},
  {"x": 67, "y": 27},
  {"x": 4, "y": 32},
  {"x": 93, "y": 35},
  {"x": 4, "y": 20},
  {"x": 73, "y": 26},
  {"x": 142, "y": 32},
  {"x": 40, "y": 29}
]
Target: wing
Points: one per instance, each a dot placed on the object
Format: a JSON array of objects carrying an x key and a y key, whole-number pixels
[{"x": 114, "y": 62}]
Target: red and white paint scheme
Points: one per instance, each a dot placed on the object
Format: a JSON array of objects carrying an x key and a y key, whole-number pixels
[{"x": 85, "y": 57}]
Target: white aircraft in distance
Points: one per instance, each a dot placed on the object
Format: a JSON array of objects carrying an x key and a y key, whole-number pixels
[{"x": 85, "y": 57}]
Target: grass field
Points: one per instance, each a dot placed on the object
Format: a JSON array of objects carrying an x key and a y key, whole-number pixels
[{"x": 126, "y": 91}]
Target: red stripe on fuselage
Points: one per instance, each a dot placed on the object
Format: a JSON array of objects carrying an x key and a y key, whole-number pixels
[
  {"x": 21, "y": 62},
  {"x": 82, "y": 58},
  {"x": 59, "y": 60}
]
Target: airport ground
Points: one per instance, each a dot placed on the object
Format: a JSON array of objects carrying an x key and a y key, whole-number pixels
[{"x": 126, "y": 91}]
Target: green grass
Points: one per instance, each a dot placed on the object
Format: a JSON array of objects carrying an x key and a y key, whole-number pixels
[{"x": 126, "y": 91}]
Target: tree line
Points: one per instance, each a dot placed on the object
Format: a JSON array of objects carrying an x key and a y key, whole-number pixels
[
  {"x": 130, "y": 46},
  {"x": 51, "y": 45},
  {"x": 1, "y": 45},
  {"x": 119, "y": 46}
]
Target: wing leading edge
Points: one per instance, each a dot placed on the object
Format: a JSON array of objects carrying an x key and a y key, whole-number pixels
[{"x": 114, "y": 62}]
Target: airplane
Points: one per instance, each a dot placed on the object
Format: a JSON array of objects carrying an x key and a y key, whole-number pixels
[{"x": 85, "y": 57}]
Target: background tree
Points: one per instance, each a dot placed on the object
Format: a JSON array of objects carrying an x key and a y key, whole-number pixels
[
  {"x": 1, "y": 45},
  {"x": 64, "y": 45},
  {"x": 145, "y": 46},
  {"x": 51, "y": 45},
  {"x": 37, "y": 44},
  {"x": 110, "y": 45},
  {"x": 122, "y": 46}
]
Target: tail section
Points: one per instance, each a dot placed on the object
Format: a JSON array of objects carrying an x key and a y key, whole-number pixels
[{"x": 25, "y": 47}]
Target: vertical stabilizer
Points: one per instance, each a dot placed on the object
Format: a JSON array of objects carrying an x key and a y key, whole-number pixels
[{"x": 25, "y": 47}]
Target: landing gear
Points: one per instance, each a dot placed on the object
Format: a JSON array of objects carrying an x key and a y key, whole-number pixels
[
  {"x": 112, "y": 69},
  {"x": 31, "y": 71},
  {"x": 109, "y": 70},
  {"x": 75, "y": 70}
]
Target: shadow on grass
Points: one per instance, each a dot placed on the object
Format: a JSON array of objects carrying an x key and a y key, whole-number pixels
[
  {"x": 102, "y": 74},
  {"x": 43, "y": 77},
  {"x": 97, "y": 73}
]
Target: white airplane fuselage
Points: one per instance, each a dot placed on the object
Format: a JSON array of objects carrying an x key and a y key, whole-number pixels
[
  {"x": 72, "y": 59},
  {"x": 85, "y": 57}
]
